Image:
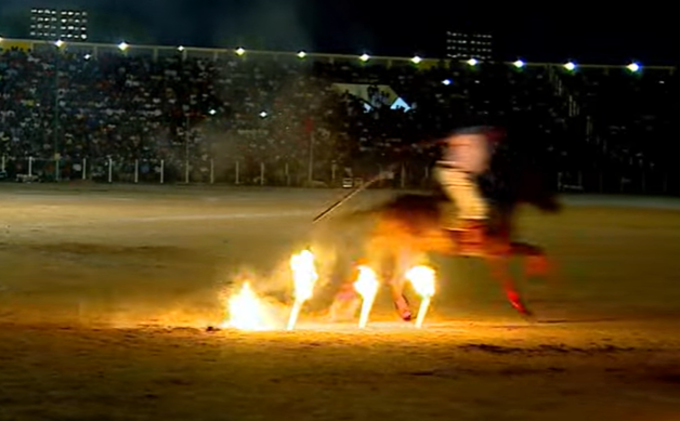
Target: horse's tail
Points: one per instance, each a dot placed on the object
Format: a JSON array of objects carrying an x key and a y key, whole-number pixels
[
  {"x": 405, "y": 213},
  {"x": 358, "y": 215}
]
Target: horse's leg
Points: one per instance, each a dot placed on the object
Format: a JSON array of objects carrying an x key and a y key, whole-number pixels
[
  {"x": 395, "y": 271},
  {"x": 500, "y": 270},
  {"x": 400, "y": 302},
  {"x": 536, "y": 263},
  {"x": 383, "y": 250},
  {"x": 345, "y": 302}
]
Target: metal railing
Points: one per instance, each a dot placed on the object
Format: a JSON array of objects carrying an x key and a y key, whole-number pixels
[
  {"x": 205, "y": 171},
  {"x": 252, "y": 172}
]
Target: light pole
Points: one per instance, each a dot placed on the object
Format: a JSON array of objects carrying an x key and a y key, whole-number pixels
[
  {"x": 186, "y": 148},
  {"x": 310, "y": 164},
  {"x": 58, "y": 44},
  {"x": 310, "y": 154}
]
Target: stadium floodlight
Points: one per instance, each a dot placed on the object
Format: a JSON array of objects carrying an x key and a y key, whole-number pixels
[
  {"x": 570, "y": 66},
  {"x": 263, "y": 114},
  {"x": 87, "y": 56},
  {"x": 633, "y": 67},
  {"x": 416, "y": 59},
  {"x": 365, "y": 57},
  {"x": 473, "y": 62},
  {"x": 180, "y": 48},
  {"x": 123, "y": 46},
  {"x": 302, "y": 54},
  {"x": 519, "y": 64},
  {"x": 240, "y": 51},
  {"x": 59, "y": 43},
  {"x": 446, "y": 82},
  {"x": 212, "y": 111}
]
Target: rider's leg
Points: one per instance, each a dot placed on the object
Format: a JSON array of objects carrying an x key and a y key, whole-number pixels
[{"x": 472, "y": 209}]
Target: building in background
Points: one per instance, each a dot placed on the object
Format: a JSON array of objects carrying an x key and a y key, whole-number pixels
[
  {"x": 53, "y": 24},
  {"x": 467, "y": 45}
]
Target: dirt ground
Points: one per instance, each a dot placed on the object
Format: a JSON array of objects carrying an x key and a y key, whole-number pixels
[{"x": 106, "y": 293}]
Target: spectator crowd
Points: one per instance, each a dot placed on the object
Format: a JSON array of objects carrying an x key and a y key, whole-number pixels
[{"x": 72, "y": 114}]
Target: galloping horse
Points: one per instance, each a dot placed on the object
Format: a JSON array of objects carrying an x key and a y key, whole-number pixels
[{"x": 409, "y": 226}]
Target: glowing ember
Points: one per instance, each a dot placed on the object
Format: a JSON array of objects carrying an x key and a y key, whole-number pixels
[
  {"x": 247, "y": 312},
  {"x": 367, "y": 286},
  {"x": 423, "y": 280},
  {"x": 304, "y": 279}
]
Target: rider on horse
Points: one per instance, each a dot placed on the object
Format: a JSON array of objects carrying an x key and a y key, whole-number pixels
[{"x": 466, "y": 155}]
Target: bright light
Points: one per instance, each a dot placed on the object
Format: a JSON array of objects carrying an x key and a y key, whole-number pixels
[
  {"x": 240, "y": 51},
  {"x": 304, "y": 278},
  {"x": 263, "y": 114},
  {"x": 367, "y": 286},
  {"x": 365, "y": 57},
  {"x": 519, "y": 64},
  {"x": 88, "y": 56},
  {"x": 446, "y": 82},
  {"x": 302, "y": 54},
  {"x": 180, "y": 48},
  {"x": 123, "y": 46},
  {"x": 247, "y": 311},
  {"x": 423, "y": 280},
  {"x": 416, "y": 59},
  {"x": 212, "y": 112},
  {"x": 633, "y": 67},
  {"x": 59, "y": 43},
  {"x": 473, "y": 62},
  {"x": 570, "y": 66}
]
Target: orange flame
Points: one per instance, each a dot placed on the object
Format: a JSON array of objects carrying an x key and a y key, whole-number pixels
[
  {"x": 423, "y": 279},
  {"x": 304, "y": 279},
  {"x": 248, "y": 312},
  {"x": 367, "y": 286}
]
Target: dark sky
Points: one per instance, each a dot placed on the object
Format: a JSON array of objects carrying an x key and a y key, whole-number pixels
[{"x": 583, "y": 33}]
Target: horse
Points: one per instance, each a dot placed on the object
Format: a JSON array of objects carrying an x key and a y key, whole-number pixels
[{"x": 408, "y": 227}]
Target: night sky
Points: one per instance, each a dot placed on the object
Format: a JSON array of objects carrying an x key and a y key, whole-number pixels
[{"x": 604, "y": 35}]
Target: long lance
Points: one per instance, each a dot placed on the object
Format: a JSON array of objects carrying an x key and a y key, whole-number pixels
[{"x": 348, "y": 196}]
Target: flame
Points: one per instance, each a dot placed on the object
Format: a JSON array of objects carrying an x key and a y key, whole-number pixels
[
  {"x": 304, "y": 275},
  {"x": 247, "y": 312},
  {"x": 423, "y": 279},
  {"x": 304, "y": 279},
  {"x": 367, "y": 286}
]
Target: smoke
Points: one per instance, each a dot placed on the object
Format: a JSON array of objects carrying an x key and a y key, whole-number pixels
[
  {"x": 259, "y": 24},
  {"x": 265, "y": 24}
]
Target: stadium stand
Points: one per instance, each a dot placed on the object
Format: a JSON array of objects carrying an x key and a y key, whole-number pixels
[{"x": 173, "y": 115}]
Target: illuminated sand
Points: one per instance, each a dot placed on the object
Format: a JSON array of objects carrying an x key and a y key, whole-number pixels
[{"x": 91, "y": 285}]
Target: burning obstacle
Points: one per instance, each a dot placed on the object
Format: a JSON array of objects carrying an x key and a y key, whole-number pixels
[
  {"x": 247, "y": 311},
  {"x": 304, "y": 279}
]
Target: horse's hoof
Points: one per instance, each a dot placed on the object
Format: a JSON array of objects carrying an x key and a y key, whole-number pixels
[
  {"x": 405, "y": 313},
  {"x": 530, "y": 317},
  {"x": 527, "y": 315},
  {"x": 522, "y": 309},
  {"x": 402, "y": 307}
]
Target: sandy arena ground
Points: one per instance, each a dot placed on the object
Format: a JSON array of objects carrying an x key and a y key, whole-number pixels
[{"x": 105, "y": 294}]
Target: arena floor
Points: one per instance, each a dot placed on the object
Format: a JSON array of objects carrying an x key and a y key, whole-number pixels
[{"x": 106, "y": 293}]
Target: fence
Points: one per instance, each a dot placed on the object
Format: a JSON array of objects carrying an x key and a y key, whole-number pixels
[
  {"x": 619, "y": 182},
  {"x": 296, "y": 174},
  {"x": 204, "y": 171}
]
